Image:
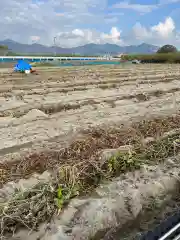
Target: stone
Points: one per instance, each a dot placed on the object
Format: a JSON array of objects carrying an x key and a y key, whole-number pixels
[
  {"x": 45, "y": 176},
  {"x": 25, "y": 184},
  {"x": 108, "y": 153}
]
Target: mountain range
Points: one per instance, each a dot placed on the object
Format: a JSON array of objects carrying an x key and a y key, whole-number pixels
[{"x": 88, "y": 49}]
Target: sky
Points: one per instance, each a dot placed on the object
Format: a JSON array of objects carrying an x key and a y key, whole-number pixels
[{"x": 69, "y": 23}]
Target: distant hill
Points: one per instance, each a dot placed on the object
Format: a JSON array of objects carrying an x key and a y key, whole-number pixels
[{"x": 88, "y": 49}]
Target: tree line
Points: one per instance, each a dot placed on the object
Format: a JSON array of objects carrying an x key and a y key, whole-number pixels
[{"x": 165, "y": 54}]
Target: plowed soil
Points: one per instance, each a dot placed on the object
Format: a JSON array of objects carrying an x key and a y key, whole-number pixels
[
  {"x": 46, "y": 111},
  {"x": 45, "y": 118}
]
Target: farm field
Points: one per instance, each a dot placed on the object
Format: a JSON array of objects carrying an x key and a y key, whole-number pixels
[{"x": 67, "y": 116}]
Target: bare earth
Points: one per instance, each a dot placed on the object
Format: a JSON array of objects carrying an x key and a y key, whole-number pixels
[
  {"x": 45, "y": 112},
  {"x": 70, "y": 99}
]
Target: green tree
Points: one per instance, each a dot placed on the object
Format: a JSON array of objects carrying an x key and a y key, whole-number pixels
[
  {"x": 3, "y": 50},
  {"x": 167, "y": 49},
  {"x": 3, "y": 47}
]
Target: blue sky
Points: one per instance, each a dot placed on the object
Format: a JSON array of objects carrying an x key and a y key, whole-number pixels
[{"x": 79, "y": 22}]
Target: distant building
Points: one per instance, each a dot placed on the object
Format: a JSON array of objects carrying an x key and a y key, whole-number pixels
[{"x": 119, "y": 55}]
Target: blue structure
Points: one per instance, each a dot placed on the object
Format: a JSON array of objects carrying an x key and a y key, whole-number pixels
[{"x": 21, "y": 66}]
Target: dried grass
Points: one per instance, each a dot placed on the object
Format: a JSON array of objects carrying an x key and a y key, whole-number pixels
[
  {"x": 80, "y": 169},
  {"x": 87, "y": 148}
]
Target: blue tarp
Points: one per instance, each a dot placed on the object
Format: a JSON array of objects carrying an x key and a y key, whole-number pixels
[{"x": 22, "y": 66}]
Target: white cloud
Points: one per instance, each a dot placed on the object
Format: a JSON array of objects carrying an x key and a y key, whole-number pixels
[
  {"x": 21, "y": 19},
  {"x": 140, "y": 32},
  {"x": 78, "y": 32},
  {"x": 162, "y": 33},
  {"x": 80, "y": 37},
  {"x": 77, "y": 23},
  {"x": 113, "y": 36},
  {"x": 164, "y": 30}
]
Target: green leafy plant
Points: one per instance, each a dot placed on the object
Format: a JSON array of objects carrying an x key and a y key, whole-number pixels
[
  {"x": 64, "y": 194},
  {"x": 123, "y": 161}
]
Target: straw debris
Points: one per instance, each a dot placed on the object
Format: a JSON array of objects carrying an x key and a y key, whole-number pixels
[{"x": 80, "y": 169}]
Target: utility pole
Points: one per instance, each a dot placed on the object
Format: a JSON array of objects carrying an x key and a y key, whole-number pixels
[{"x": 55, "y": 46}]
